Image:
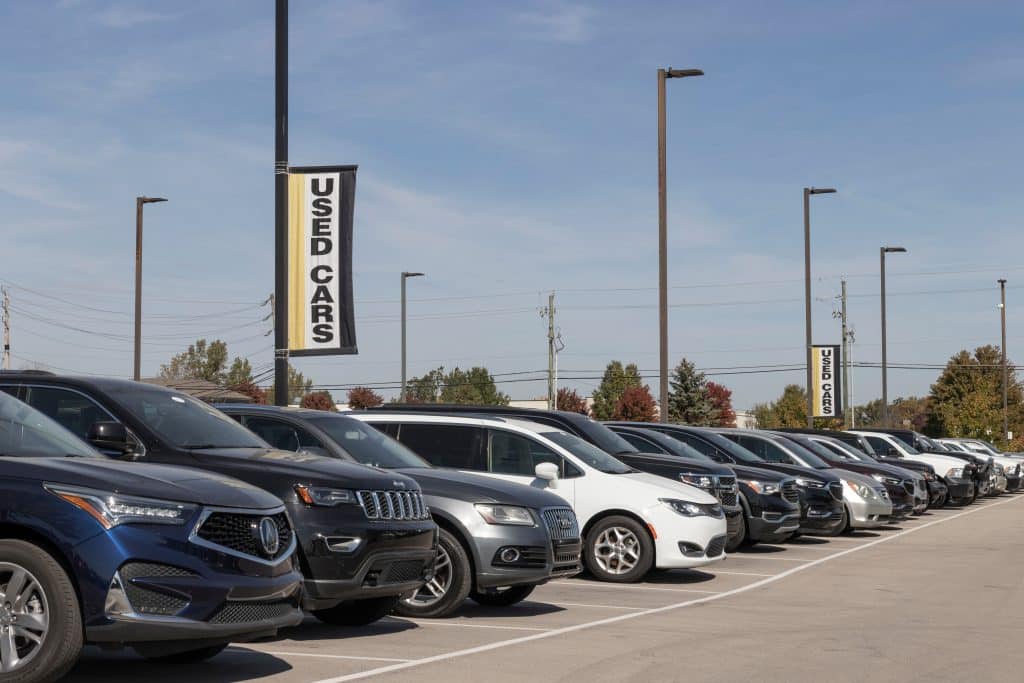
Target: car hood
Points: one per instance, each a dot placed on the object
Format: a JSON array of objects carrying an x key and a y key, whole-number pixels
[
  {"x": 745, "y": 472},
  {"x": 858, "y": 477},
  {"x": 473, "y": 488},
  {"x": 881, "y": 468},
  {"x": 660, "y": 459},
  {"x": 166, "y": 482},
  {"x": 805, "y": 472},
  {"x": 301, "y": 468},
  {"x": 638, "y": 485},
  {"x": 941, "y": 463}
]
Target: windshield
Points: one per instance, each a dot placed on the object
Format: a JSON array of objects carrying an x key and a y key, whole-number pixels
[
  {"x": 183, "y": 421},
  {"x": 366, "y": 445},
  {"x": 602, "y": 437},
  {"x": 677, "y": 447},
  {"x": 735, "y": 451},
  {"x": 804, "y": 451},
  {"x": 843, "y": 451},
  {"x": 27, "y": 433},
  {"x": 589, "y": 453}
]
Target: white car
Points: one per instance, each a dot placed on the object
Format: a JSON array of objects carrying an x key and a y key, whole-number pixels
[
  {"x": 631, "y": 521},
  {"x": 1012, "y": 463},
  {"x": 956, "y": 473}
]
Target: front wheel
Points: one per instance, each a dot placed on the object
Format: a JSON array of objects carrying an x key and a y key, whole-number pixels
[
  {"x": 501, "y": 597},
  {"x": 443, "y": 594},
  {"x": 618, "y": 549},
  {"x": 734, "y": 542},
  {"x": 357, "y": 612},
  {"x": 40, "y": 621}
]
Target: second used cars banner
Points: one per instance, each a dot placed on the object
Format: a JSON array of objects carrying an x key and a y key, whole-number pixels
[{"x": 321, "y": 203}]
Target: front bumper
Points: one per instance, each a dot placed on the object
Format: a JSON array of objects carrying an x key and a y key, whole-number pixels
[
  {"x": 820, "y": 513},
  {"x": 959, "y": 489},
  {"x": 684, "y": 542},
  {"x": 937, "y": 490},
  {"x": 773, "y": 527},
  {"x": 868, "y": 514},
  {"x": 1013, "y": 483}
]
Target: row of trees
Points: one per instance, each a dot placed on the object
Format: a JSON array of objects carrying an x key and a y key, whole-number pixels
[{"x": 965, "y": 400}]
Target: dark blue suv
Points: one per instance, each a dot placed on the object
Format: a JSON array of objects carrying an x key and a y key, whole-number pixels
[{"x": 173, "y": 562}]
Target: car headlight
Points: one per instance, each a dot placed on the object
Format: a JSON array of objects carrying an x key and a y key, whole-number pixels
[
  {"x": 701, "y": 481},
  {"x": 320, "y": 496},
  {"x": 688, "y": 509},
  {"x": 861, "y": 490},
  {"x": 955, "y": 472},
  {"x": 505, "y": 514},
  {"x": 765, "y": 488},
  {"x": 810, "y": 483},
  {"x": 112, "y": 509}
]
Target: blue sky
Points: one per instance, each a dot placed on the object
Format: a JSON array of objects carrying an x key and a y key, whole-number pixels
[{"x": 508, "y": 149}]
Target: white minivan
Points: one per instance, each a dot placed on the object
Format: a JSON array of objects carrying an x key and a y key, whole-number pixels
[{"x": 631, "y": 521}]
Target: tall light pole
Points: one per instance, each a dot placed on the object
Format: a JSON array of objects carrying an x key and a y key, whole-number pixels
[
  {"x": 139, "y": 203},
  {"x": 281, "y": 203},
  {"x": 882, "y": 251},
  {"x": 808, "y": 191},
  {"x": 1002, "y": 316},
  {"x": 405, "y": 276},
  {"x": 664, "y": 74}
]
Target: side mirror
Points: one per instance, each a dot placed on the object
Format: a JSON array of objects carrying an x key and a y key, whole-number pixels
[
  {"x": 109, "y": 436},
  {"x": 547, "y": 471}
]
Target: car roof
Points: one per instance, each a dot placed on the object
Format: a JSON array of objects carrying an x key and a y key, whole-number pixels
[
  {"x": 99, "y": 382},
  {"x": 291, "y": 411},
  {"x": 465, "y": 419}
]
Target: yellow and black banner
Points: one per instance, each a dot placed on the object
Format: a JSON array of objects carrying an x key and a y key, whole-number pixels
[
  {"x": 826, "y": 377},
  {"x": 321, "y": 205}
]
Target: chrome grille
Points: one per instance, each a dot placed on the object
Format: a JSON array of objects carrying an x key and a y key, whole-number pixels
[
  {"x": 561, "y": 523},
  {"x": 393, "y": 505},
  {"x": 728, "y": 498}
]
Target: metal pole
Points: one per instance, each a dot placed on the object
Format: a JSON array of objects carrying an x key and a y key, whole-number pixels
[
  {"x": 138, "y": 288},
  {"x": 847, "y": 408},
  {"x": 7, "y": 329},
  {"x": 1006, "y": 380},
  {"x": 853, "y": 413},
  {"x": 662, "y": 256},
  {"x": 885, "y": 369},
  {"x": 552, "y": 397},
  {"x": 281, "y": 203},
  {"x": 807, "y": 302},
  {"x": 402, "y": 395}
]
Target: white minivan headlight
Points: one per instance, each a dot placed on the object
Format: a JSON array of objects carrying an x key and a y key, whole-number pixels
[{"x": 690, "y": 509}]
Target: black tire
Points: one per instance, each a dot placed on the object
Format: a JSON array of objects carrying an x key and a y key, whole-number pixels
[
  {"x": 62, "y": 639},
  {"x": 940, "y": 502},
  {"x": 643, "y": 546},
  {"x": 191, "y": 656},
  {"x": 457, "y": 588},
  {"x": 501, "y": 597},
  {"x": 735, "y": 542},
  {"x": 847, "y": 526},
  {"x": 357, "y": 612}
]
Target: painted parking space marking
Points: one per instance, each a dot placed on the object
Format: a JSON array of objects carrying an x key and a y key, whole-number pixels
[
  {"x": 718, "y": 571},
  {"x": 657, "y": 610},
  {"x": 632, "y": 587}
]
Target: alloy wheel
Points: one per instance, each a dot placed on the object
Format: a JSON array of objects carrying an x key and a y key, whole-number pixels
[
  {"x": 617, "y": 550},
  {"x": 24, "y": 617},
  {"x": 438, "y": 586}
]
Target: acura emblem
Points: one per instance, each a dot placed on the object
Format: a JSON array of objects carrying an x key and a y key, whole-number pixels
[{"x": 268, "y": 536}]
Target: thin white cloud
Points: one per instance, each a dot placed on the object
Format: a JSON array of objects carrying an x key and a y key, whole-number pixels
[{"x": 560, "y": 23}]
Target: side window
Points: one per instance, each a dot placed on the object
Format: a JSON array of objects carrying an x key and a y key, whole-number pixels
[
  {"x": 278, "y": 434},
  {"x": 880, "y": 445},
  {"x": 641, "y": 444},
  {"x": 702, "y": 446},
  {"x": 773, "y": 453},
  {"x": 756, "y": 446},
  {"x": 74, "y": 411},
  {"x": 512, "y": 453},
  {"x": 447, "y": 445},
  {"x": 11, "y": 389}
]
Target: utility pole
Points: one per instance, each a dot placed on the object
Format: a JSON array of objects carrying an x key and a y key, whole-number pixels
[
  {"x": 552, "y": 355},
  {"x": 405, "y": 276},
  {"x": 808, "y": 191},
  {"x": 7, "y": 329},
  {"x": 281, "y": 203},
  {"x": 1002, "y": 315},
  {"x": 882, "y": 251},
  {"x": 140, "y": 202},
  {"x": 847, "y": 408}
]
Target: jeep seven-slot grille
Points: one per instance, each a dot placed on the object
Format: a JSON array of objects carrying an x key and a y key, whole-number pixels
[
  {"x": 790, "y": 492},
  {"x": 561, "y": 523},
  {"x": 393, "y": 505},
  {"x": 239, "y": 532}
]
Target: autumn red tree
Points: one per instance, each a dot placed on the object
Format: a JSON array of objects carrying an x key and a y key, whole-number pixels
[
  {"x": 569, "y": 400},
  {"x": 318, "y": 400},
  {"x": 362, "y": 398},
  {"x": 722, "y": 414},
  {"x": 251, "y": 390},
  {"x": 636, "y": 405}
]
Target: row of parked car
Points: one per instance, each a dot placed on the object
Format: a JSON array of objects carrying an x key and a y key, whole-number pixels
[{"x": 131, "y": 514}]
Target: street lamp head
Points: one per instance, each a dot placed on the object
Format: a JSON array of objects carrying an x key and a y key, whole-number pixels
[
  {"x": 1001, "y": 281},
  {"x": 894, "y": 250},
  {"x": 408, "y": 274},
  {"x": 682, "y": 73},
  {"x": 820, "y": 190},
  {"x": 152, "y": 200}
]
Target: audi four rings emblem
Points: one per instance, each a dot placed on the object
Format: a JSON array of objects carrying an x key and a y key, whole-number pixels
[{"x": 268, "y": 536}]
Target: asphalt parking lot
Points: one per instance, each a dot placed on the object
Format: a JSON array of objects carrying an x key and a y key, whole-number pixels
[{"x": 934, "y": 598}]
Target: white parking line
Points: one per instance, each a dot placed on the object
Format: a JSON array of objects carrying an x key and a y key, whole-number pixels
[
  {"x": 719, "y": 571},
  {"x": 777, "y": 559},
  {"x": 282, "y": 653},
  {"x": 632, "y": 587},
  {"x": 656, "y": 610},
  {"x": 457, "y": 624}
]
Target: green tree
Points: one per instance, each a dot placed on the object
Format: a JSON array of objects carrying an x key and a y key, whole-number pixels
[
  {"x": 474, "y": 386},
  {"x": 789, "y": 410},
  {"x": 298, "y": 386},
  {"x": 239, "y": 373},
  {"x": 636, "y": 405},
  {"x": 688, "y": 399},
  {"x": 615, "y": 381},
  {"x": 200, "y": 361},
  {"x": 425, "y": 389},
  {"x": 966, "y": 400}
]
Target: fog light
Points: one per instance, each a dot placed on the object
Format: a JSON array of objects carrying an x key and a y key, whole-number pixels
[{"x": 509, "y": 555}]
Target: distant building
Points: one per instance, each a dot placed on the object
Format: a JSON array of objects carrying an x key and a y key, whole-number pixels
[
  {"x": 202, "y": 389},
  {"x": 745, "y": 419}
]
